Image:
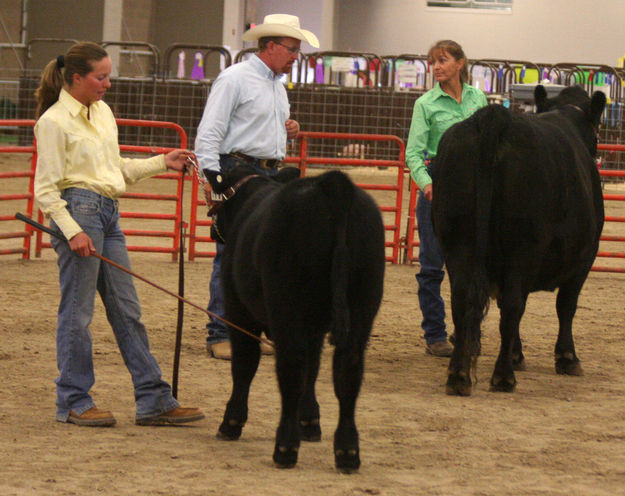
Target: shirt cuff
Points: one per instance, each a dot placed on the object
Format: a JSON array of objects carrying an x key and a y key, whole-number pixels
[{"x": 68, "y": 226}]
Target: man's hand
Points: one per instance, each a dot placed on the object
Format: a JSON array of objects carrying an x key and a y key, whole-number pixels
[
  {"x": 207, "y": 194},
  {"x": 292, "y": 129}
]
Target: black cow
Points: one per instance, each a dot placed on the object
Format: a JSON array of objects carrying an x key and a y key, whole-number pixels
[
  {"x": 518, "y": 208},
  {"x": 302, "y": 258}
]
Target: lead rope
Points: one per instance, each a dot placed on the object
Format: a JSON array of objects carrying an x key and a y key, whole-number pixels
[
  {"x": 174, "y": 381},
  {"x": 202, "y": 181},
  {"x": 57, "y": 235}
]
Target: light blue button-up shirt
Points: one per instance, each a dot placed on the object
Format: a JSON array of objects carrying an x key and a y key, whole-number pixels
[{"x": 245, "y": 112}]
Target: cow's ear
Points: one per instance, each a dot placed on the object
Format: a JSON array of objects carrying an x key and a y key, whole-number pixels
[
  {"x": 287, "y": 174},
  {"x": 540, "y": 98},
  {"x": 216, "y": 180},
  {"x": 597, "y": 104}
]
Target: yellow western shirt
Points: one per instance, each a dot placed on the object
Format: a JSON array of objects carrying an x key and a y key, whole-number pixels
[{"x": 77, "y": 147}]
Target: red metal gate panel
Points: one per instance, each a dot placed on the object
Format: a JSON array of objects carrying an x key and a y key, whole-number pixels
[{"x": 6, "y": 175}]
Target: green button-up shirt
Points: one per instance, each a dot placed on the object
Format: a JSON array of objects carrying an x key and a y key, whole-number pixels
[{"x": 433, "y": 114}]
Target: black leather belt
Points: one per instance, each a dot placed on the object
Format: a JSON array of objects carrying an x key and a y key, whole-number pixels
[{"x": 265, "y": 163}]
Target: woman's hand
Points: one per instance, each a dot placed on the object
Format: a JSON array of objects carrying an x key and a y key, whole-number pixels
[
  {"x": 81, "y": 244},
  {"x": 177, "y": 159},
  {"x": 428, "y": 193}
]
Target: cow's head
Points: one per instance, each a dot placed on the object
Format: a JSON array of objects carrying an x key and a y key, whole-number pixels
[
  {"x": 232, "y": 188},
  {"x": 574, "y": 101}
]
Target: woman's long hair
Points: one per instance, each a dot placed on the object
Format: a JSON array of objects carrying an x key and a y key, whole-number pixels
[
  {"x": 59, "y": 71},
  {"x": 456, "y": 51}
]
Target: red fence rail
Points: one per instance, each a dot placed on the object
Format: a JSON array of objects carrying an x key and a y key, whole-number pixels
[
  {"x": 410, "y": 242},
  {"x": 304, "y": 159},
  {"x": 611, "y": 218},
  {"x": 24, "y": 249}
]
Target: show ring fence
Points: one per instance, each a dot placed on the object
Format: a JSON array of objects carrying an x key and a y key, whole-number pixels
[{"x": 398, "y": 248}]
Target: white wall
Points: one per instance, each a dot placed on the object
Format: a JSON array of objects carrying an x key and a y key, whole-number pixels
[
  {"x": 316, "y": 16},
  {"x": 540, "y": 31}
]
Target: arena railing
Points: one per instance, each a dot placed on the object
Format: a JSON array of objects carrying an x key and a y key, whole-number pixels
[
  {"x": 132, "y": 48},
  {"x": 204, "y": 50},
  {"x": 27, "y": 195},
  {"x": 367, "y": 76},
  {"x": 406, "y": 71},
  {"x": 607, "y": 237}
]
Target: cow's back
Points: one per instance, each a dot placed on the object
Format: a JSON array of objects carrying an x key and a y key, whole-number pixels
[
  {"x": 541, "y": 187},
  {"x": 281, "y": 261}
]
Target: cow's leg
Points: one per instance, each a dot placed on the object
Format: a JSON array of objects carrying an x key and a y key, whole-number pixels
[
  {"x": 291, "y": 370},
  {"x": 462, "y": 362},
  {"x": 566, "y": 304},
  {"x": 310, "y": 429},
  {"x": 245, "y": 359},
  {"x": 518, "y": 359},
  {"x": 467, "y": 306},
  {"x": 511, "y": 306},
  {"x": 347, "y": 371}
]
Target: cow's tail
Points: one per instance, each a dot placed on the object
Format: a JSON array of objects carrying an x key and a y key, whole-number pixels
[
  {"x": 492, "y": 123},
  {"x": 340, "y": 192}
]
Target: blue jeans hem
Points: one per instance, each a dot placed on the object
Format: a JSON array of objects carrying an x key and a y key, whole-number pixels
[
  {"x": 63, "y": 414},
  {"x": 170, "y": 405}
]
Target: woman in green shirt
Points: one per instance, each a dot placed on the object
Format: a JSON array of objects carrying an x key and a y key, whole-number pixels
[{"x": 450, "y": 101}]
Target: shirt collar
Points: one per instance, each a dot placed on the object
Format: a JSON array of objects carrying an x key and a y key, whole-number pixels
[
  {"x": 70, "y": 103},
  {"x": 439, "y": 93},
  {"x": 261, "y": 68}
]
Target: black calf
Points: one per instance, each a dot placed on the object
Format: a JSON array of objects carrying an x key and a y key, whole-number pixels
[{"x": 302, "y": 259}]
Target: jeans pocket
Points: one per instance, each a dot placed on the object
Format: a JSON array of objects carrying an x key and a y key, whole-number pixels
[{"x": 83, "y": 206}]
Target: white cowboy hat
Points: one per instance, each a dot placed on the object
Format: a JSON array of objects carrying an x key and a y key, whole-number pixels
[{"x": 281, "y": 25}]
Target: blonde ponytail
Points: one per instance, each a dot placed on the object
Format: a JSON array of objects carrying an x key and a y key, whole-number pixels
[
  {"x": 59, "y": 71},
  {"x": 49, "y": 87}
]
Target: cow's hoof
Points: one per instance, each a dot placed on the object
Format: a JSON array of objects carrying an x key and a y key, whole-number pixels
[
  {"x": 566, "y": 366},
  {"x": 347, "y": 461},
  {"x": 502, "y": 385},
  {"x": 310, "y": 430},
  {"x": 285, "y": 457},
  {"x": 458, "y": 385},
  {"x": 230, "y": 430},
  {"x": 519, "y": 364}
]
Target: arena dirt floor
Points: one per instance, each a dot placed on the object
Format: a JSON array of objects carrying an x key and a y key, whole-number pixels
[{"x": 554, "y": 435}]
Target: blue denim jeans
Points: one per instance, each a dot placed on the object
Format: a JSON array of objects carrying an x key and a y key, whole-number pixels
[
  {"x": 79, "y": 278},
  {"x": 430, "y": 276},
  {"x": 217, "y": 330}
]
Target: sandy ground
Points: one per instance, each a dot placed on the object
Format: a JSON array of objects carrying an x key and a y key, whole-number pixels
[{"x": 554, "y": 436}]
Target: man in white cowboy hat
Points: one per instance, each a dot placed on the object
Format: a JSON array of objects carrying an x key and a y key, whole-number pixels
[{"x": 246, "y": 120}]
